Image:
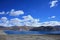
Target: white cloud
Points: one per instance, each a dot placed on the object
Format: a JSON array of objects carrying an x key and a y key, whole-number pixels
[
  {"x": 52, "y": 17},
  {"x": 53, "y": 3},
  {"x": 30, "y": 21},
  {"x": 36, "y": 24},
  {"x": 12, "y": 22},
  {"x": 13, "y": 12},
  {"x": 16, "y": 13},
  {"x": 4, "y": 19},
  {"x": 2, "y": 12},
  {"x": 16, "y": 22},
  {"x": 7, "y": 12},
  {"x": 26, "y": 21},
  {"x": 28, "y": 17},
  {"x": 50, "y": 23},
  {"x": 22, "y": 22}
]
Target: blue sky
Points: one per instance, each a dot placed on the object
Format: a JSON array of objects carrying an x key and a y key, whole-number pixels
[{"x": 44, "y": 10}]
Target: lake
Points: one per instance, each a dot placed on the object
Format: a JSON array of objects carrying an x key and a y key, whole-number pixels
[{"x": 31, "y": 32}]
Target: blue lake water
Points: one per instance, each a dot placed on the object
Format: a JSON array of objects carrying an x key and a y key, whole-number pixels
[{"x": 31, "y": 32}]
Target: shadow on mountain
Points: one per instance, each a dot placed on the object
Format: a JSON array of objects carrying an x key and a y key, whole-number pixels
[
  {"x": 28, "y": 28},
  {"x": 46, "y": 28}
]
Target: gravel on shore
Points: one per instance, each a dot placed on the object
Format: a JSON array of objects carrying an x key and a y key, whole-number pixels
[{"x": 29, "y": 37}]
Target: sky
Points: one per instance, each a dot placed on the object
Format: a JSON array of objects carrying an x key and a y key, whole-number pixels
[{"x": 29, "y": 12}]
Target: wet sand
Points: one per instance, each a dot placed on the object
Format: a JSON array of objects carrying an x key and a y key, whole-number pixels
[{"x": 29, "y": 37}]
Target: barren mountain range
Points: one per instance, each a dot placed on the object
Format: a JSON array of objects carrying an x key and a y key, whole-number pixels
[{"x": 28, "y": 28}]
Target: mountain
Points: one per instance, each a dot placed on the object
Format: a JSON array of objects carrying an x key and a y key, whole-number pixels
[
  {"x": 24, "y": 28},
  {"x": 46, "y": 28},
  {"x": 29, "y": 28}
]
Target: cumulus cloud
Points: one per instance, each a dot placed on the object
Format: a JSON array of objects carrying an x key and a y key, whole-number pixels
[
  {"x": 52, "y": 17},
  {"x": 4, "y": 21},
  {"x": 16, "y": 13},
  {"x": 28, "y": 17},
  {"x": 12, "y": 22},
  {"x": 2, "y": 12},
  {"x": 53, "y": 3},
  {"x": 22, "y": 22},
  {"x": 50, "y": 23},
  {"x": 16, "y": 22},
  {"x": 27, "y": 20},
  {"x": 30, "y": 21},
  {"x": 35, "y": 23},
  {"x": 13, "y": 12}
]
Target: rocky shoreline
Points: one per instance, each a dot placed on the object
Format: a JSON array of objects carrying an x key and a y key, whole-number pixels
[{"x": 29, "y": 37}]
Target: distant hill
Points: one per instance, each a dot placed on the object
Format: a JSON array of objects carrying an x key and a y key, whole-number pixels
[
  {"x": 46, "y": 28},
  {"x": 16, "y": 28},
  {"x": 29, "y": 28}
]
